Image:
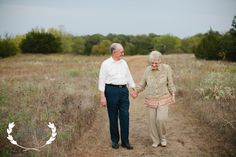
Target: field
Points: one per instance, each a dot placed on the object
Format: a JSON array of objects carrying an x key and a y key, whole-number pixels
[{"x": 37, "y": 89}]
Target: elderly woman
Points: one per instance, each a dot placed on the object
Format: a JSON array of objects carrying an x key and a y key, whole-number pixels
[{"x": 158, "y": 81}]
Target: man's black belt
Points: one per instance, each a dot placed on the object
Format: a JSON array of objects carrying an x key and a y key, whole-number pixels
[{"x": 118, "y": 86}]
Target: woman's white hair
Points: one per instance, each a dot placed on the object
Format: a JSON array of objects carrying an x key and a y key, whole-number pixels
[{"x": 154, "y": 55}]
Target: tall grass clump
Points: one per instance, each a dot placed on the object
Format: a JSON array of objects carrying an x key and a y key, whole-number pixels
[{"x": 208, "y": 88}]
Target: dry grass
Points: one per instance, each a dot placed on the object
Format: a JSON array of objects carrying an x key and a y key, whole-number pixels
[
  {"x": 208, "y": 88},
  {"x": 37, "y": 89}
]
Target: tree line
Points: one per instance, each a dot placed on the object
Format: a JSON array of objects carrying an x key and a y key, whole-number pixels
[{"x": 211, "y": 45}]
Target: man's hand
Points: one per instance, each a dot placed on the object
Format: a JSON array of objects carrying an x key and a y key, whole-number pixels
[
  {"x": 134, "y": 94},
  {"x": 103, "y": 100}
]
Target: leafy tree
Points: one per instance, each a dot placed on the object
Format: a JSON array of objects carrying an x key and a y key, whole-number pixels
[
  {"x": 101, "y": 48},
  {"x": 130, "y": 49},
  {"x": 7, "y": 47},
  {"x": 78, "y": 46},
  {"x": 166, "y": 43},
  {"x": 66, "y": 39},
  {"x": 90, "y": 41},
  {"x": 40, "y": 42},
  {"x": 17, "y": 40},
  {"x": 233, "y": 29},
  {"x": 67, "y": 43},
  {"x": 142, "y": 44},
  {"x": 118, "y": 38},
  {"x": 210, "y": 47},
  {"x": 189, "y": 44},
  {"x": 228, "y": 44}
]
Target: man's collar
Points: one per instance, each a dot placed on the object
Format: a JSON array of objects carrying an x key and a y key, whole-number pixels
[{"x": 112, "y": 59}]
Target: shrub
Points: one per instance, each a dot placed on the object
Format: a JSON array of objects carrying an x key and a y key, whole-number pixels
[
  {"x": 40, "y": 42},
  {"x": 228, "y": 44},
  {"x": 216, "y": 86},
  {"x": 7, "y": 47},
  {"x": 209, "y": 48}
]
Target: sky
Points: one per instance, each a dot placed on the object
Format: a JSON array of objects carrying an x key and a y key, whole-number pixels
[{"x": 182, "y": 18}]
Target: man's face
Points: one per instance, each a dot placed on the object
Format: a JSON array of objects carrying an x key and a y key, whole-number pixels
[{"x": 118, "y": 53}]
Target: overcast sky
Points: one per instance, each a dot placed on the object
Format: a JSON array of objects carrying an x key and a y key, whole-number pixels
[{"x": 182, "y": 18}]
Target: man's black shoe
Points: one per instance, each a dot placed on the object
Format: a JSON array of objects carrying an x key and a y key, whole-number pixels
[
  {"x": 128, "y": 146},
  {"x": 115, "y": 145}
]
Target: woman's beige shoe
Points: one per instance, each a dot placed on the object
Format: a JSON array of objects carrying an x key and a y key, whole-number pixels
[
  {"x": 163, "y": 143},
  {"x": 155, "y": 145}
]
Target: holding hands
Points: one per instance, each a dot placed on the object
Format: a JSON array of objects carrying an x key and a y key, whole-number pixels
[{"x": 134, "y": 93}]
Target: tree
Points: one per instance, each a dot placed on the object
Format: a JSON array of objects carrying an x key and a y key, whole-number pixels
[
  {"x": 90, "y": 41},
  {"x": 78, "y": 46},
  {"x": 67, "y": 43},
  {"x": 189, "y": 44},
  {"x": 40, "y": 42},
  {"x": 130, "y": 49},
  {"x": 17, "y": 40},
  {"x": 228, "y": 44},
  {"x": 210, "y": 47},
  {"x": 142, "y": 43},
  {"x": 66, "y": 39},
  {"x": 7, "y": 47},
  {"x": 166, "y": 43},
  {"x": 233, "y": 29},
  {"x": 102, "y": 48}
]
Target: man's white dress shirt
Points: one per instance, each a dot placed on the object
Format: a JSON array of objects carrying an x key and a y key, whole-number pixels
[{"x": 114, "y": 72}]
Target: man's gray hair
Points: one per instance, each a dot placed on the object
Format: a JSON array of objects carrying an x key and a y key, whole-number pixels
[
  {"x": 114, "y": 46},
  {"x": 154, "y": 55}
]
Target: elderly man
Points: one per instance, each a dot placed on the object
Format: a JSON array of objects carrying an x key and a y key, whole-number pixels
[{"x": 114, "y": 77}]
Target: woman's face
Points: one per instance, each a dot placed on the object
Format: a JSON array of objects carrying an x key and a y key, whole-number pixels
[{"x": 155, "y": 63}]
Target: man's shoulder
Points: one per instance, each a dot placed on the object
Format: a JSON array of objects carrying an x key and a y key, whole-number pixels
[
  {"x": 123, "y": 61},
  {"x": 107, "y": 61}
]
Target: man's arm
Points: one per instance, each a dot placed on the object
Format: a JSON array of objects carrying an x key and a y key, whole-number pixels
[
  {"x": 101, "y": 86},
  {"x": 103, "y": 99}
]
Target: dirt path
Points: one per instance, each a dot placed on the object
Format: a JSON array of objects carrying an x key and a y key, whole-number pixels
[{"x": 186, "y": 137}]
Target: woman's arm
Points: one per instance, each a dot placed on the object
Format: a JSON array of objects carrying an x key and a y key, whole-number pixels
[
  {"x": 143, "y": 83},
  {"x": 170, "y": 82}
]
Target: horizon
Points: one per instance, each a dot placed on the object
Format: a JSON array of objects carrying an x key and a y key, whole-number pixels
[{"x": 184, "y": 18}]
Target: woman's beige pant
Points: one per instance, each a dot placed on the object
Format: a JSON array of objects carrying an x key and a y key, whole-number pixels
[{"x": 157, "y": 122}]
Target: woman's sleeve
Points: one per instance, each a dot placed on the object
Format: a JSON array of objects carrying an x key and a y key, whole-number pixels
[
  {"x": 170, "y": 82},
  {"x": 142, "y": 84}
]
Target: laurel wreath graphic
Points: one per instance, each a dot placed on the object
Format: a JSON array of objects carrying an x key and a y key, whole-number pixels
[{"x": 49, "y": 141}]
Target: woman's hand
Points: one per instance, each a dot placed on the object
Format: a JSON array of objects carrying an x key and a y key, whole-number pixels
[{"x": 173, "y": 97}]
